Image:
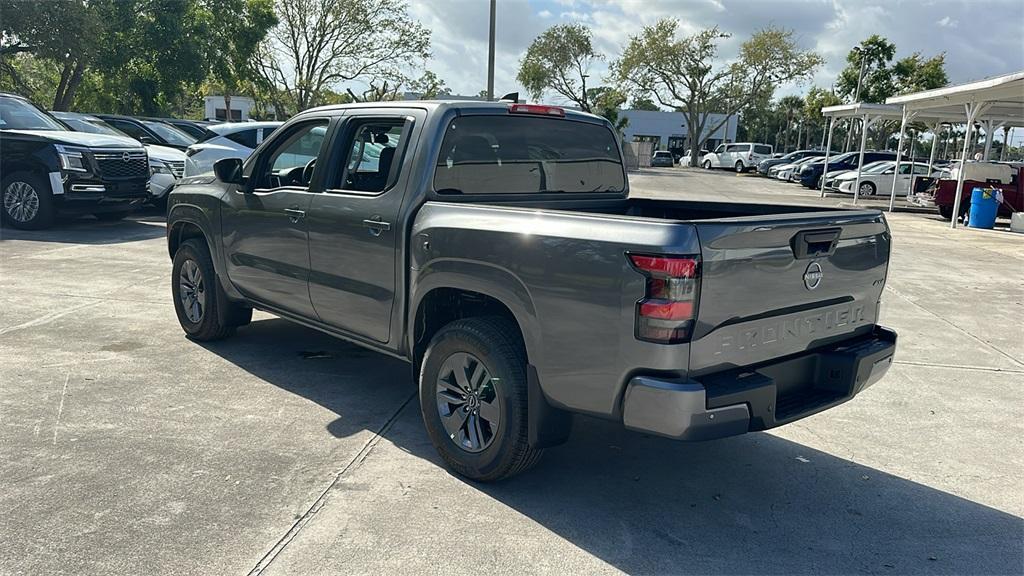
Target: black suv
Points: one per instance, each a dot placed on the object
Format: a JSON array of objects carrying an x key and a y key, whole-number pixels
[
  {"x": 47, "y": 169},
  {"x": 150, "y": 131}
]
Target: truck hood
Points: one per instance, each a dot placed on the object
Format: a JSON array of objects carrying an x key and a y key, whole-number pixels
[
  {"x": 165, "y": 154},
  {"x": 86, "y": 139}
]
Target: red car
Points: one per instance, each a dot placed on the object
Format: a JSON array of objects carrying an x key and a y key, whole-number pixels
[{"x": 941, "y": 193}]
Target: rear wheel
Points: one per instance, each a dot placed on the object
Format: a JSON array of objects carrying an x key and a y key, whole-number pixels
[
  {"x": 740, "y": 168},
  {"x": 473, "y": 398},
  {"x": 27, "y": 201},
  {"x": 707, "y": 164}
]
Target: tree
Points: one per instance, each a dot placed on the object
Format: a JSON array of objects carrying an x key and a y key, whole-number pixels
[
  {"x": 559, "y": 60},
  {"x": 643, "y": 103},
  {"x": 607, "y": 102},
  {"x": 883, "y": 78},
  {"x": 792, "y": 107},
  {"x": 682, "y": 73},
  {"x": 232, "y": 42},
  {"x": 429, "y": 86},
  {"x": 320, "y": 44},
  {"x": 818, "y": 98}
]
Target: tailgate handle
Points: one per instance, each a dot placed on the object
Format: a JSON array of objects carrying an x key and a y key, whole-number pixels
[{"x": 815, "y": 243}]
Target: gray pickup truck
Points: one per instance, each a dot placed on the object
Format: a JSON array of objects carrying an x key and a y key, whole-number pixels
[{"x": 495, "y": 248}]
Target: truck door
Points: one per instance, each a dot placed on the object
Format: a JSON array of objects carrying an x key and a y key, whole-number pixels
[
  {"x": 354, "y": 227},
  {"x": 265, "y": 227}
]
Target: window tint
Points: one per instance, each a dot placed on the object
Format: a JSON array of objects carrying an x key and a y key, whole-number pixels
[
  {"x": 739, "y": 148},
  {"x": 920, "y": 169},
  {"x": 246, "y": 138},
  {"x": 17, "y": 114},
  {"x": 762, "y": 149},
  {"x": 372, "y": 162},
  {"x": 290, "y": 160},
  {"x": 169, "y": 133},
  {"x": 128, "y": 128},
  {"x": 522, "y": 155}
]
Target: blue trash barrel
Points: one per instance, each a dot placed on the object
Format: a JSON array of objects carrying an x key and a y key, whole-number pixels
[{"x": 984, "y": 207}]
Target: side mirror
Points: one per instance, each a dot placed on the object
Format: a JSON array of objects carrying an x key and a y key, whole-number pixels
[
  {"x": 229, "y": 170},
  {"x": 887, "y": 172},
  {"x": 146, "y": 139},
  {"x": 777, "y": 155}
]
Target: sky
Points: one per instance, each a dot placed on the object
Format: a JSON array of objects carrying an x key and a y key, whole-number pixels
[{"x": 980, "y": 38}]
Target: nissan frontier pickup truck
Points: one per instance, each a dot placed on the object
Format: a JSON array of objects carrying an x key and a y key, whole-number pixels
[{"x": 495, "y": 248}]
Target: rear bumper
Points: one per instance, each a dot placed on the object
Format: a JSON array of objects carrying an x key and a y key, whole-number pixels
[{"x": 748, "y": 400}]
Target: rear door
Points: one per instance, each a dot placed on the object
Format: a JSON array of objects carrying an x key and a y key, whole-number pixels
[{"x": 783, "y": 284}]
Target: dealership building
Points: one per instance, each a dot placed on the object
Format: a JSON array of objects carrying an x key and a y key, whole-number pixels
[{"x": 669, "y": 130}]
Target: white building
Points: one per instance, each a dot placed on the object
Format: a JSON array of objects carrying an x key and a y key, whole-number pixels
[
  {"x": 215, "y": 109},
  {"x": 669, "y": 131}
]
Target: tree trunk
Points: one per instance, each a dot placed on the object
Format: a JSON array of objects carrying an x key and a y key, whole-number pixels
[
  {"x": 693, "y": 128},
  {"x": 65, "y": 75},
  {"x": 71, "y": 88},
  {"x": 227, "y": 106}
]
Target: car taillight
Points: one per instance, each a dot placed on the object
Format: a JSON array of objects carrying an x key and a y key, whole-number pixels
[
  {"x": 536, "y": 109},
  {"x": 668, "y": 310}
]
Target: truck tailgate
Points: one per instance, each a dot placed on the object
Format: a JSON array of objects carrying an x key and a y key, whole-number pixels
[{"x": 783, "y": 284}]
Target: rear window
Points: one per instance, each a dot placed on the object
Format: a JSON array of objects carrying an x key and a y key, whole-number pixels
[
  {"x": 662, "y": 154},
  {"x": 246, "y": 138},
  {"x": 762, "y": 149},
  {"x": 524, "y": 155}
]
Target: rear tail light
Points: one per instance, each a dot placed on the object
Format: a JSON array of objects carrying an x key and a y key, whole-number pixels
[{"x": 667, "y": 312}]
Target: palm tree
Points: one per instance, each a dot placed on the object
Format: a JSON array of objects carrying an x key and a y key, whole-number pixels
[{"x": 792, "y": 106}]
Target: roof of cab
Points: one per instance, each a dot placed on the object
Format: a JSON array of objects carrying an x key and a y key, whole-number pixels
[{"x": 443, "y": 105}]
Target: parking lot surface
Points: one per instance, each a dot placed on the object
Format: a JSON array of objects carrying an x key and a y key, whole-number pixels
[{"x": 127, "y": 449}]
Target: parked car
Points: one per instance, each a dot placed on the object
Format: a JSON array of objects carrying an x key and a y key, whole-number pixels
[
  {"x": 877, "y": 178},
  {"x": 812, "y": 172},
  {"x": 764, "y": 165},
  {"x": 1007, "y": 177},
  {"x": 166, "y": 164},
  {"x": 495, "y": 248},
  {"x": 785, "y": 172},
  {"x": 663, "y": 158},
  {"x": 149, "y": 131},
  {"x": 740, "y": 157},
  {"x": 194, "y": 128},
  {"x": 46, "y": 169},
  {"x": 228, "y": 140}
]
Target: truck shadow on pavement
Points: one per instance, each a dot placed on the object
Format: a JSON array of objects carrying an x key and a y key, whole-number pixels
[
  {"x": 87, "y": 230},
  {"x": 751, "y": 504}
]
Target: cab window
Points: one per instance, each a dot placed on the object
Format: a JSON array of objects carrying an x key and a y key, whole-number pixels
[
  {"x": 290, "y": 160},
  {"x": 373, "y": 159}
]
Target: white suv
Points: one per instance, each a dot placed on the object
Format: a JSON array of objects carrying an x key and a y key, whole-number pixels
[
  {"x": 741, "y": 156},
  {"x": 229, "y": 140}
]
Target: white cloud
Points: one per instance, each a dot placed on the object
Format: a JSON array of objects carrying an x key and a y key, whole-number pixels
[
  {"x": 544, "y": 14},
  {"x": 947, "y": 22}
]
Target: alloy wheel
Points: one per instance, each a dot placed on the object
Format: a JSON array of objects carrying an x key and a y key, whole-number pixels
[
  {"x": 467, "y": 402},
  {"x": 192, "y": 291},
  {"x": 21, "y": 201}
]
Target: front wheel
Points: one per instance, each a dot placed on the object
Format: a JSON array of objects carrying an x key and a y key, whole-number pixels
[
  {"x": 707, "y": 164},
  {"x": 196, "y": 299},
  {"x": 740, "y": 168},
  {"x": 27, "y": 201},
  {"x": 867, "y": 189},
  {"x": 473, "y": 398}
]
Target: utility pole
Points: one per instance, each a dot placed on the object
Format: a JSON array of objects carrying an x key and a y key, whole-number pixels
[{"x": 490, "y": 54}]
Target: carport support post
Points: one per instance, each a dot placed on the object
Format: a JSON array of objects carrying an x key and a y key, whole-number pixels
[
  {"x": 864, "y": 125},
  {"x": 973, "y": 110},
  {"x": 828, "y": 148},
  {"x": 899, "y": 156},
  {"x": 988, "y": 139},
  {"x": 935, "y": 145}
]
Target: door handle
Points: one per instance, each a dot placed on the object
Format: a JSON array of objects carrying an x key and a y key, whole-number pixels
[
  {"x": 294, "y": 214},
  {"x": 376, "y": 225}
]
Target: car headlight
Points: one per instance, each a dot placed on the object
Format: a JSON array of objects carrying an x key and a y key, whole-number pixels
[
  {"x": 72, "y": 159},
  {"x": 159, "y": 167}
]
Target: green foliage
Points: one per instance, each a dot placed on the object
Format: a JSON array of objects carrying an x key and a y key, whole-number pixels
[
  {"x": 883, "y": 78},
  {"x": 319, "y": 44},
  {"x": 683, "y": 73},
  {"x": 429, "y": 86},
  {"x": 607, "y": 102},
  {"x": 559, "y": 60},
  {"x": 643, "y": 103}
]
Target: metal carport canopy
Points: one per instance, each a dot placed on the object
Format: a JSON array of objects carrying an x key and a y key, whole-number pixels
[{"x": 999, "y": 99}]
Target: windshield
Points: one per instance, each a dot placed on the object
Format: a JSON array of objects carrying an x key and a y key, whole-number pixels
[
  {"x": 91, "y": 125},
  {"x": 169, "y": 133},
  {"x": 516, "y": 154},
  {"x": 16, "y": 114}
]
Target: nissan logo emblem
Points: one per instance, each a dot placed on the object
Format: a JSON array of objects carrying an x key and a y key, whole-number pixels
[
  {"x": 126, "y": 157},
  {"x": 812, "y": 276}
]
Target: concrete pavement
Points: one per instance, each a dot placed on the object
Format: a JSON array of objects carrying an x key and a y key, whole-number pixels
[{"x": 127, "y": 449}]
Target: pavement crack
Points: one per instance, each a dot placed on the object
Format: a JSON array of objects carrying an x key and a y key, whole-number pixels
[
  {"x": 47, "y": 318},
  {"x": 318, "y": 504},
  {"x": 959, "y": 367},
  {"x": 60, "y": 408}
]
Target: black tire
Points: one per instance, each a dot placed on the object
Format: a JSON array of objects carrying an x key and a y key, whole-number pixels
[
  {"x": 205, "y": 326},
  {"x": 13, "y": 191},
  {"x": 497, "y": 344},
  {"x": 740, "y": 168},
  {"x": 707, "y": 164},
  {"x": 112, "y": 216},
  {"x": 868, "y": 189}
]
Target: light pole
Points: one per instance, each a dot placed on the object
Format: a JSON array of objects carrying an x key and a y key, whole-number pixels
[
  {"x": 490, "y": 54},
  {"x": 856, "y": 96}
]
